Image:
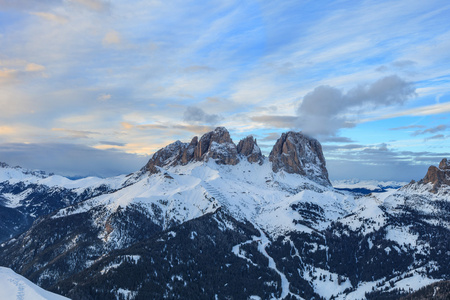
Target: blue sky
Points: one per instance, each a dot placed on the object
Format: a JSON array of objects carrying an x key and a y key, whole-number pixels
[{"x": 93, "y": 87}]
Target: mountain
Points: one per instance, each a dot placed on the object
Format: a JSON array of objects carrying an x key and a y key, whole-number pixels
[
  {"x": 209, "y": 219},
  {"x": 366, "y": 187},
  {"x": 26, "y": 195},
  {"x": 14, "y": 286}
]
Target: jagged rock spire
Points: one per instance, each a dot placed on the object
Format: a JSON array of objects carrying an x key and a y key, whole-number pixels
[{"x": 249, "y": 148}]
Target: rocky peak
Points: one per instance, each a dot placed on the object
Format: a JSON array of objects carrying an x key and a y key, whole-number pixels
[
  {"x": 444, "y": 164},
  {"x": 166, "y": 156},
  {"x": 217, "y": 145},
  {"x": 249, "y": 148},
  {"x": 438, "y": 176},
  {"x": 297, "y": 153}
]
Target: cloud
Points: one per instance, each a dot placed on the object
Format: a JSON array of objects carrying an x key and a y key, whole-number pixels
[
  {"x": 32, "y": 67},
  {"x": 436, "y": 137},
  {"x": 7, "y": 130},
  {"x": 378, "y": 162},
  {"x": 104, "y": 97},
  {"x": 95, "y": 5},
  {"x": 430, "y": 130},
  {"x": 71, "y": 159},
  {"x": 8, "y": 73},
  {"x": 401, "y": 64},
  {"x": 276, "y": 121},
  {"x": 326, "y": 109},
  {"x": 435, "y": 109},
  {"x": 198, "y": 115},
  {"x": 271, "y": 136},
  {"x": 50, "y": 17},
  {"x": 407, "y": 127},
  {"x": 75, "y": 134},
  {"x": 198, "y": 68},
  {"x": 111, "y": 38},
  {"x": 112, "y": 143},
  {"x": 337, "y": 139}
]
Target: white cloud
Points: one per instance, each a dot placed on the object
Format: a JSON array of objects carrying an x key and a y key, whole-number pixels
[
  {"x": 51, "y": 17},
  {"x": 104, "y": 97},
  {"x": 32, "y": 67},
  {"x": 111, "y": 38}
]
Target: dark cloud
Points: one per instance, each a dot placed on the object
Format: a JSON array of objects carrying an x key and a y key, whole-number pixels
[
  {"x": 407, "y": 127},
  {"x": 430, "y": 130},
  {"x": 382, "y": 69},
  {"x": 198, "y": 115},
  {"x": 401, "y": 64},
  {"x": 70, "y": 159},
  {"x": 111, "y": 143},
  {"x": 436, "y": 137},
  {"x": 325, "y": 110}
]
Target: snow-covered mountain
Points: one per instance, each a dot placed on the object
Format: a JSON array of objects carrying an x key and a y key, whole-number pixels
[
  {"x": 26, "y": 195},
  {"x": 366, "y": 186},
  {"x": 14, "y": 286},
  {"x": 215, "y": 220}
]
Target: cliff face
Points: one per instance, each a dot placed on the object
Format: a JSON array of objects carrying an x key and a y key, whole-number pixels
[
  {"x": 249, "y": 148},
  {"x": 215, "y": 145},
  {"x": 296, "y": 153},
  {"x": 438, "y": 176}
]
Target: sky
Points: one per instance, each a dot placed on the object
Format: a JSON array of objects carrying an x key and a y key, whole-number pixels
[{"x": 94, "y": 87}]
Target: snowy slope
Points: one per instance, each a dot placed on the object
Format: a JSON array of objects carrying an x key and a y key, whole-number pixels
[
  {"x": 248, "y": 191},
  {"x": 14, "y": 286},
  {"x": 14, "y": 175}
]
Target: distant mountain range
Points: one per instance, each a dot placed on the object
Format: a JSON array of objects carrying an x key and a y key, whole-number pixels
[
  {"x": 367, "y": 186},
  {"x": 211, "y": 219}
]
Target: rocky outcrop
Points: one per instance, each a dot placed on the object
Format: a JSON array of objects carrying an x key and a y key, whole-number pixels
[
  {"x": 249, "y": 148},
  {"x": 217, "y": 145},
  {"x": 297, "y": 153},
  {"x": 169, "y": 155},
  {"x": 438, "y": 176},
  {"x": 188, "y": 153}
]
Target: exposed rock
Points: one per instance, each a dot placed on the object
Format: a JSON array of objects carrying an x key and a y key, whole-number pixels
[
  {"x": 188, "y": 153},
  {"x": 444, "y": 164},
  {"x": 217, "y": 145},
  {"x": 166, "y": 156},
  {"x": 438, "y": 176},
  {"x": 249, "y": 148},
  {"x": 294, "y": 152}
]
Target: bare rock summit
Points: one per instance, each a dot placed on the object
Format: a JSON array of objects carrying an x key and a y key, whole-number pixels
[
  {"x": 438, "y": 176},
  {"x": 249, "y": 148},
  {"x": 297, "y": 153}
]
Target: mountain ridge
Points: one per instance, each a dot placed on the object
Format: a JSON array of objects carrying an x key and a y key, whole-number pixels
[{"x": 294, "y": 236}]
